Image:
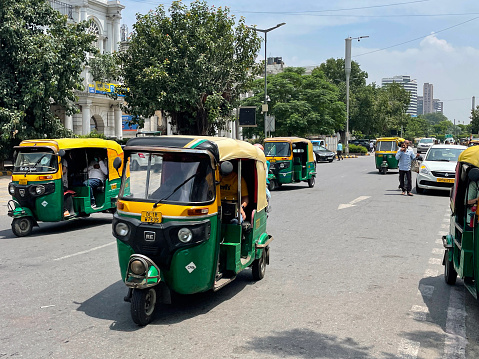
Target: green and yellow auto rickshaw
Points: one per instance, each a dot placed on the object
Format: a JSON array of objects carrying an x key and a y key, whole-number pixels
[
  {"x": 292, "y": 160},
  {"x": 50, "y": 181},
  {"x": 385, "y": 155},
  {"x": 461, "y": 257},
  {"x": 177, "y": 228}
]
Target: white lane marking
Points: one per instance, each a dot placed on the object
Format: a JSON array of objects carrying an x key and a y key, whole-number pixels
[
  {"x": 408, "y": 349},
  {"x": 425, "y": 290},
  {"x": 438, "y": 250},
  {"x": 83, "y": 252},
  {"x": 419, "y": 312},
  {"x": 435, "y": 261},
  {"x": 431, "y": 273},
  {"x": 455, "y": 341},
  {"x": 353, "y": 202}
]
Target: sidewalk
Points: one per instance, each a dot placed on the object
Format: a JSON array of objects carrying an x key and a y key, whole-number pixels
[{"x": 4, "y": 195}]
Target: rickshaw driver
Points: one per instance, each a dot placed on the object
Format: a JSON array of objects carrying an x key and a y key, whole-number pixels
[{"x": 229, "y": 191}]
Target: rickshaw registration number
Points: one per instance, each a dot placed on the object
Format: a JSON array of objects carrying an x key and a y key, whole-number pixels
[
  {"x": 151, "y": 217},
  {"x": 448, "y": 180}
]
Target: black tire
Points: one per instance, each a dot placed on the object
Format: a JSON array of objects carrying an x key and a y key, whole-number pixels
[
  {"x": 383, "y": 170},
  {"x": 418, "y": 189},
  {"x": 273, "y": 185},
  {"x": 259, "y": 267},
  {"x": 23, "y": 226},
  {"x": 450, "y": 274},
  {"x": 143, "y": 302},
  {"x": 311, "y": 182},
  {"x": 135, "y": 166}
]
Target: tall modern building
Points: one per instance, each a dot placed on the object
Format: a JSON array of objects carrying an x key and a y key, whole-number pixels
[
  {"x": 420, "y": 105},
  {"x": 428, "y": 93},
  {"x": 409, "y": 85},
  {"x": 438, "y": 105}
]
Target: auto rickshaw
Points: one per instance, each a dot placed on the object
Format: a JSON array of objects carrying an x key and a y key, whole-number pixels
[
  {"x": 176, "y": 229},
  {"x": 292, "y": 160},
  {"x": 43, "y": 190},
  {"x": 461, "y": 257},
  {"x": 385, "y": 155}
]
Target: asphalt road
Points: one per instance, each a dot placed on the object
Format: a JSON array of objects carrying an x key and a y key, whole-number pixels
[{"x": 355, "y": 273}]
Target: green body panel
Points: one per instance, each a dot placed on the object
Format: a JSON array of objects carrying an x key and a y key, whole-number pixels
[
  {"x": 22, "y": 212},
  {"x": 124, "y": 253},
  {"x": 294, "y": 173},
  {"x": 392, "y": 162}
]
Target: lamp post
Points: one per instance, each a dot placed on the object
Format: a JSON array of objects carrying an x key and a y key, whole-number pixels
[
  {"x": 347, "y": 69},
  {"x": 265, "y": 108}
]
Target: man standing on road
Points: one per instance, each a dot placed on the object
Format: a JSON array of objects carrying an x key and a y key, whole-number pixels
[
  {"x": 405, "y": 156},
  {"x": 339, "y": 150}
]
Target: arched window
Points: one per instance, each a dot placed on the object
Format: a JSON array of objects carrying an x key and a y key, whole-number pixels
[{"x": 94, "y": 29}]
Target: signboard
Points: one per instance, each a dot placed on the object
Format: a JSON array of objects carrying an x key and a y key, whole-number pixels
[
  {"x": 448, "y": 135},
  {"x": 102, "y": 88},
  {"x": 125, "y": 119},
  {"x": 247, "y": 116},
  {"x": 270, "y": 124}
]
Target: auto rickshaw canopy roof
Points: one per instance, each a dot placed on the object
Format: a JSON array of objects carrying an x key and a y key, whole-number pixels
[
  {"x": 397, "y": 139},
  {"x": 292, "y": 140},
  {"x": 72, "y": 143},
  {"x": 470, "y": 155}
]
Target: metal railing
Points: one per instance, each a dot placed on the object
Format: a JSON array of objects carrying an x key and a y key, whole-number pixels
[{"x": 63, "y": 8}]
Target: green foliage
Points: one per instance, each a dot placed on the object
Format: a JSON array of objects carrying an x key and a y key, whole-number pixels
[
  {"x": 104, "y": 68},
  {"x": 41, "y": 59},
  {"x": 475, "y": 120},
  {"x": 301, "y": 104},
  {"x": 391, "y": 105},
  {"x": 93, "y": 134},
  {"x": 357, "y": 149},
  {"x": 193, "y": 64}
]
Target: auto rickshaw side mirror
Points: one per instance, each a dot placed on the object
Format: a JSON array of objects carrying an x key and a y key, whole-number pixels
[
  {"x": 117, "y": 164},
  {"x": 61, "y": 153},
  {"x": 226, "y": 168}
]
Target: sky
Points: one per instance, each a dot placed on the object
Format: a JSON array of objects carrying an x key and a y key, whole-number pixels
[{"x": 433, "y": 41}]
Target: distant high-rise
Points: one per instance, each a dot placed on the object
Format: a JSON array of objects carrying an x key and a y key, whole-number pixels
[
  {"x": 438, "y": 105},
  {"x": 428, "y": 104},
  {"x": 420, "y": 105},
  {"x": 410, "y": 86}
]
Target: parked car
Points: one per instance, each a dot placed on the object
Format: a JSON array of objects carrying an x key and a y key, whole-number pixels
[
  {"x": 140, "y": 161},
  {"x": 323, "y": 154},
  {"x": 438, "y": 169},
  {"x": 424, "y": 144}
]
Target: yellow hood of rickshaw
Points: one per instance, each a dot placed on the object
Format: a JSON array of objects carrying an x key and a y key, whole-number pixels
[{"x": 470, "y": 155}]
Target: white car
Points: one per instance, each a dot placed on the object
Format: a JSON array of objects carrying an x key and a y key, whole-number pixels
[
  {"x": 438, "y": 169},
  {"x": 424, "y": 144}
]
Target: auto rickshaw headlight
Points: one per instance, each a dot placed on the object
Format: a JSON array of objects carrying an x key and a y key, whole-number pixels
[
  {"x": 122, "y": 229},
  {"x": 11, "y": 189},
  {"x": 137, "y": 267},
  {"x": 185, "y": 235},
  {"x": 40, "y": 189}
]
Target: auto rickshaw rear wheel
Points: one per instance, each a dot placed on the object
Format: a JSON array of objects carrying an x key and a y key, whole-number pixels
[
  {"x": 143, "y": 302},
  {"x": 22, "y": 227},
  {"x": 311, "y": 182},
  {"x": 450, "y": 274},
  {"x": 259, "y": 266}
]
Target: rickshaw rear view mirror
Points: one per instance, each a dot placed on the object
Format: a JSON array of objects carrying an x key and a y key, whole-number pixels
[
  {"x": 117, "y": 163},
  {"x": 61, "y": 153},
  {"x": 226, "y": 168},
  {"x": 294, "y": 145},
  {"x": 474, "y": 174}
]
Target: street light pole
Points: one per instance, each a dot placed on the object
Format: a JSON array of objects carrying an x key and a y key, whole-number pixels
[
  {"x": 265, "y": 79},
  {"x": 347, "y": 69}
]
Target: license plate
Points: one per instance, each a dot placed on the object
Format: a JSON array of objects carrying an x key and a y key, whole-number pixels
[
  {"x": 448, "y": 180},
  {"x": 151, "y": 217},
  {"x": 22, "y": 181}
]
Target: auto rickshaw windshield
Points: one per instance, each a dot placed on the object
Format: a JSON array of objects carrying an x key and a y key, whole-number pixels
[
  {"x": 171, "y": 178},
  {"x": 33, "y": 161},
  {"x": 386, "y": 146},
  {"x": 277, "y": 149}
]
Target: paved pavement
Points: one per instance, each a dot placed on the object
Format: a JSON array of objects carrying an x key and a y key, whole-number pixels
[{"x": 4, "y": 195}]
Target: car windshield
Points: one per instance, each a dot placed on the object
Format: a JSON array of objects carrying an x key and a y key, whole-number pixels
[
  {"x": 443, "y": 154},
  {"x": 36, "y": 161},
  {"x": 316, "y": 148},
  {"x": 170, "y": 178},
  {"x": 277, "y": 149},
  {"x": 426, "y": 140},
  {"x": 386, "y": 146}
]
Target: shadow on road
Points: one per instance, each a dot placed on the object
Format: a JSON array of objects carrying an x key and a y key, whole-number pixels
[
  {"x": 46, "y": 229},
  {"x": 109, "y": 304}
]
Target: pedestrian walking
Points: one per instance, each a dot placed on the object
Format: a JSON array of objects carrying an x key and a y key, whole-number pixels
[
  {"x": 405, "y": 156},
  {"x": 339, "y": 151}
]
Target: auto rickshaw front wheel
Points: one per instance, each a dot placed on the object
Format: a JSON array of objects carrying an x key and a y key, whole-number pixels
[
  {"x": 22, "y": 227},
  {"x": 450, "y": 274},
  {"x": 311, "y": 182},
  {"x": 259, "y": 267},
  {"x": 143, "y": 302}
]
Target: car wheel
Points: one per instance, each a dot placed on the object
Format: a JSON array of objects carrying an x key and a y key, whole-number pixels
[
  {"x": 450, "y": 274},
  {"x": 419, "y": 189}
]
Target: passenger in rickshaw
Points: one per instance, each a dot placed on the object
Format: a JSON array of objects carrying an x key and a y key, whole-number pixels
[
  {"x": 229, "y": 192},
  {"x": 97, "y": 172}
]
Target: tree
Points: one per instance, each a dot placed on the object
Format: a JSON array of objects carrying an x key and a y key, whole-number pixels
[
  {"x": 391, "y": 105},
  {"x": 41, "y": 59},
  {"x": 301, "y": 104},
  {"x": 475, "y": 120},
  {"x": 334, "y": 71},
  {"x": 192, "y": 64}
]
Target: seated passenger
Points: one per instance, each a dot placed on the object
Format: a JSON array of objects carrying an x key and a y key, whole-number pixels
[
  {"x": 97, "y": 172},
  {"x": 229, "y": 191}
]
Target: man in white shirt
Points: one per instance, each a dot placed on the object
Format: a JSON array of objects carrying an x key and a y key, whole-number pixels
[{"x": 97, "y": 172}]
